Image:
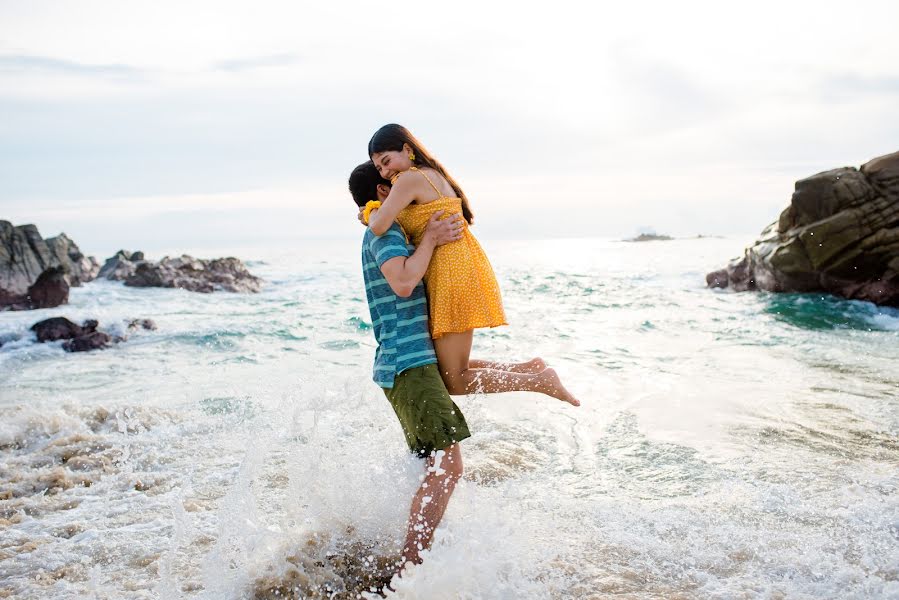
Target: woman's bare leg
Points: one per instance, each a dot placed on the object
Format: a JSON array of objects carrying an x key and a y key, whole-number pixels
[
  {"x": 453, "y": 350},
  {"x": 535, "y": 365}
]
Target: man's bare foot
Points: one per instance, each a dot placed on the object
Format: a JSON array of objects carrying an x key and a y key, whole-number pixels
[
  {"x": 402, "y": 566},
  {"x": 409, "y": 557},
  {"x": 549, "y": 383}
]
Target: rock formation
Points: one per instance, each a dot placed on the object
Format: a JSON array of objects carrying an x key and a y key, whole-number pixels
[
  {"x": 80, "y": 338},
  {"x": 839, "y": 235},
  {"x": 25, "y": 257},
  {"x": 185, "y": 272},
  {"x": 120, "y": 266}
]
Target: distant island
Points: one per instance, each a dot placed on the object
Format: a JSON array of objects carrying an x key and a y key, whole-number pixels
[
  {"x": 658, "y": 237},
  {"x": 649, "y": 237}
]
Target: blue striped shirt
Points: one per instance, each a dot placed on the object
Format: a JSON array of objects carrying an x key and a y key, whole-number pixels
[{"x": 400, "y": 324}]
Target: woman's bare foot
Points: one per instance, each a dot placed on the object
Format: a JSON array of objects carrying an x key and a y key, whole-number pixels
[
  {"x": 549, "y": 383},
  {"x": 531, "y": 367}
]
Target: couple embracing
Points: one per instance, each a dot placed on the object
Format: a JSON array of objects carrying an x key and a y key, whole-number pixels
[{"x": 429, "y": 285}]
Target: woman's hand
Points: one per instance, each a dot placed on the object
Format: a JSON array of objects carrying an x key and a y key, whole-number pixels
[
  {"x": 370, "y": 215},
  {"x": 444, "y": 231}
]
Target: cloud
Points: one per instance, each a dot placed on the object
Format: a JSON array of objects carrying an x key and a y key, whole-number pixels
[
  {"x": 666, "y": 95},
  {"x": 849, "y": 86},
  {"x": 45, "y": 64},
  {"x": 25, "y": 63},
  {"x": 692, "y": 109},
  {"x": 257, "y": 62}
]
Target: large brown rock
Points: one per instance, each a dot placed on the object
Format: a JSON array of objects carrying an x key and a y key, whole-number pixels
[
  {"x": 51, "y": 289},
  {"x": 25, "y": 256},
  {"x": 185, "y": 272},
  {"x": 839, "y": 235}
]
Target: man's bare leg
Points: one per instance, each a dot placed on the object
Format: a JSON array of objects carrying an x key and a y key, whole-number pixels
[
  {"x": 453, "y": 350},
  {"x": 444, "y": 470}
]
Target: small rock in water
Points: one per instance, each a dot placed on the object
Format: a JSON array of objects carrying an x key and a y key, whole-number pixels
[
  {"x": 60, "y": 328},
  {"x": 84, "y": 337},
  {"x": 92, "y": 341},
  {"x": 142, "y": 324},
  {"x": 717, "y": 279}
]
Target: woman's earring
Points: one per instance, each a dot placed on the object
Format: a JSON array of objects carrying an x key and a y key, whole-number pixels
[{"x": 411, "y": 155}]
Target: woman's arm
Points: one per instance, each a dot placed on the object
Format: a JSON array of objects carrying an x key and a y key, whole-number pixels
[
  {"x": 403, "y": 273},
  {"x": 401, "y": 195}
]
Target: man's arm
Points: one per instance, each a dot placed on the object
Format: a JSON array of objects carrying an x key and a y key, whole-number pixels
[{"x": 404, "y": 272}]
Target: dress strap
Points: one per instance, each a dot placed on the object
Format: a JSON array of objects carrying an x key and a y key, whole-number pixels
[{"x": 439, "y": 194}]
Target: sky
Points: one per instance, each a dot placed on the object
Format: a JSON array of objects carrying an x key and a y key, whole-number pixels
[{"x": 149, "y": 125}]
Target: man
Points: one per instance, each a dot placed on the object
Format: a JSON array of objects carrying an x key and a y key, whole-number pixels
[{"x": 405, "y": 363}]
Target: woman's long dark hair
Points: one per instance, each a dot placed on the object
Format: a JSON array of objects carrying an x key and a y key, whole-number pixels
[{"x": 390, "y": 138}]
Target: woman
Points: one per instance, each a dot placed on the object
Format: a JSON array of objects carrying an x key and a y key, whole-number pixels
[{"x": 463, "y": 294}]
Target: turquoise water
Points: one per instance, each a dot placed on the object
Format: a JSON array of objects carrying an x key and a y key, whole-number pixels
[{"x": 729, "y": 445}]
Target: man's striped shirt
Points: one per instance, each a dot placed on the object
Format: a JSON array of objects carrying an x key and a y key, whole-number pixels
[{"x": 400, "y": 324}]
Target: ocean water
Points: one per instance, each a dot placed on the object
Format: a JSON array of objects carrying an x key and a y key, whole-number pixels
[{"x": 728, "y": 446}]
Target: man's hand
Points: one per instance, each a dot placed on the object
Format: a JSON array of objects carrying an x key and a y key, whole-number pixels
[{"x": 444, "y": 231}]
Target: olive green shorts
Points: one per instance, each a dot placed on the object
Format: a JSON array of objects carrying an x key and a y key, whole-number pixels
[{"x": 429, "y": 417}]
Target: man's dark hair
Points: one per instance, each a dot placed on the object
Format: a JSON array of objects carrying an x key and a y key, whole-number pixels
[{"x": 364, "y": 181}]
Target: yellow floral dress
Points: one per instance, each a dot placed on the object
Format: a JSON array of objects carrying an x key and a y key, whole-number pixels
[{"x": 463, "y": 293}]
